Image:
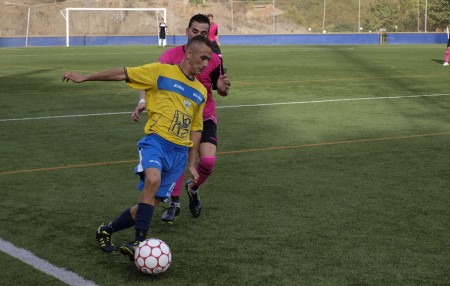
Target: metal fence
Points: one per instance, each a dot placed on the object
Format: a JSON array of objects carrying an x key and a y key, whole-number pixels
[{"x": 20, "y": 18}]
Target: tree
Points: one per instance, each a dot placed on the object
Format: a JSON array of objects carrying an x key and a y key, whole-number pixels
[{"x": 438, "y": 14}]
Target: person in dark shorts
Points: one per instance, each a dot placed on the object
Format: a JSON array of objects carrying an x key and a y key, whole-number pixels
[
  {"x": 214, "y": 35},
  {"x": 162, "y": 33}
]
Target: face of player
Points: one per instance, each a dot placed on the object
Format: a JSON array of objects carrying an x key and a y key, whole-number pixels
[
  {"x": 211, "y": 19},
  {"x": 197, "y": 29},
  {"x": 199, "y": 56}
]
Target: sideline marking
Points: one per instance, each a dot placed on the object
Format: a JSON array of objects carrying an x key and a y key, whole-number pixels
[
  {"x": 238, "y": 106},
  {"x": 332, "y": 79},
  {"x": 237, "y": 151},
  {"x": 64, "y": 116},
  {"x": 335, "y": 143},
  {"x": 68, "y": 167},
  {"x": 332, "y": 100},
  {"x": 29, "y": 258}
]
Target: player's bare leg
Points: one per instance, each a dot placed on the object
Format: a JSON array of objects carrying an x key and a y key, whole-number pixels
[
  {"x": 205, "y": 168},
  {"x": 143, "y": 212}
]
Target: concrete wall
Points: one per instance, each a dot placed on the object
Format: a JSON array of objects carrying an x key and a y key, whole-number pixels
[{"x": 288, "y": 39}]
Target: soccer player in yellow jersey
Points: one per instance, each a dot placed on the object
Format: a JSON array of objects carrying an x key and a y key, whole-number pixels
[{"x": 174, "y": 102}]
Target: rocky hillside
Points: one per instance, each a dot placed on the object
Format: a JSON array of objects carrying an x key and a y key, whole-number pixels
[{"x": 46, "y": 17}]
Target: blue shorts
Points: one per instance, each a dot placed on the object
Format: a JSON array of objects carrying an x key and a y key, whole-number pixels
[{"x": 169, "y": 158}]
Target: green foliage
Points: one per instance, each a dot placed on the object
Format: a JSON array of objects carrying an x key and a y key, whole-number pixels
[
  {"x": 392, "y": 15},
  {"x": 439, "y": 16},
  {"x": 197, "y": 2},
  {"x": 382, "y": 15},
  {"x": 343, "y": 27},
  {"x": 304, "y": 12}
]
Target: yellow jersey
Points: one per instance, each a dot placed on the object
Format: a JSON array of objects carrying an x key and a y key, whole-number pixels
[{"x": 174, "y": 103}]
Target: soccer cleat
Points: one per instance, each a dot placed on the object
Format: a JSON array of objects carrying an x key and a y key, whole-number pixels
[
  {"x": 445, "y": 64},
  {"x": 104, "y": 238},
  {"x": 195, "y": 206},
  {"x": 128, "y": 249},
  {"x": 171, "y": 212}
]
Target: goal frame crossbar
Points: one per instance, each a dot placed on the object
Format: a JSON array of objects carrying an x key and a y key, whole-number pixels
[{"x": 66, "y": 15}]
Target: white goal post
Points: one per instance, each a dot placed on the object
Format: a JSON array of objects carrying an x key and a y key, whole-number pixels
[{"x": 66, "y": 15}]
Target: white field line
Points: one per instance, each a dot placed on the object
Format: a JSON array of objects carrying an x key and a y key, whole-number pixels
[
  {"x": 66, "y": 116},
  {"x": 332, "y": 100},
  {"x": 29, "y": 258},
  {"x": 239, "y": 106}
]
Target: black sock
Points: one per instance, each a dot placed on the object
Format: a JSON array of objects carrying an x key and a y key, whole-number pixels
[
  {"x": 143, "y": 219},
  {"x": 123, "y": 221}
]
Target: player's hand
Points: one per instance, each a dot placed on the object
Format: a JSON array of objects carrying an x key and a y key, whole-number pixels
[
  {"x": 223, "y": 85},
  {"x": 194, "y": 174},
  {"x": 136, "y": 115},
  {"x": 73, "y": 76}
]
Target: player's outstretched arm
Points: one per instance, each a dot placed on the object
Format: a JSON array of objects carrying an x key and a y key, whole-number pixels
[
  {"x": 114, "y": 74},
  {"x": 136, "y": 115}
]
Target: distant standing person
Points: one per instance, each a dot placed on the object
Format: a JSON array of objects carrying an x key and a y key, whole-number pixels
[
  {"x": 162, "y": 33},
  {"x": 447, "y": 53},
  {"x": 214, "y": 35}
]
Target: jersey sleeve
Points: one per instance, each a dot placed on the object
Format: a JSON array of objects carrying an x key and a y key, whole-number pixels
[
  {"x": 165, "y": 58},
  {"x": 141, "y": 77}
]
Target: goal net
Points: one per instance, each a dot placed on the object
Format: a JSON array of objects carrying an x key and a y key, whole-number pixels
[{"x": 82, "y": 22}]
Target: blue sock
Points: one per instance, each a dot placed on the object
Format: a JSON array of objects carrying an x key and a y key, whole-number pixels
[
  {"x": 123, "y": 221},
  {"x": 143, "y": 219}
]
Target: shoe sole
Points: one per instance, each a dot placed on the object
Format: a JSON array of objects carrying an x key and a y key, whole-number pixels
[
  {"x": 109, "y": 251},
  {"x": 196, "y": 215},
  {"x": 168, "y": 221},
  {"x": 193, "y": 212},
  {"x": 126, "y": 252}
]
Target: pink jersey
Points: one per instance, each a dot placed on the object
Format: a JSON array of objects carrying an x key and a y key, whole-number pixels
[
  {"x": 213, "y": 30},
  {"x": 208, "y": 76}
]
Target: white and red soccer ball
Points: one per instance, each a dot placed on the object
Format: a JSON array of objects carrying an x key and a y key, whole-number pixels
[{"x": 153, "y": 256}]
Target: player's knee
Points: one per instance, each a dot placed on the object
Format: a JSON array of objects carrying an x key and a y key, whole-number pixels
[
  {"x": 207, "y": 164},
  {"x": 152, "y": 179}
]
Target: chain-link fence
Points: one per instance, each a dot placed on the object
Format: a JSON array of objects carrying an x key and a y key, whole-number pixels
[{"x": 45, "y": 17}]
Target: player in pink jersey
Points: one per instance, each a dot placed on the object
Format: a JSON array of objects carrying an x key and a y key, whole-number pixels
[
  {"x": 214, "y": 35},
  {"x": 212, "y": 77},
  {"x": 447, "y": 53}
]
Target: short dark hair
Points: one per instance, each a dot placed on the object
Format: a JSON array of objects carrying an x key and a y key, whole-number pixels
[
  {"x": 210, "y": 15},
  {"x": 199, "y": 18},
  {"x": 199, "y": 39}
]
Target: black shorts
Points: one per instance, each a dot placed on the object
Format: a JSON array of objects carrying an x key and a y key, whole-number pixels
[
  {"x": 448, "y": 43},
  {"x": 216, "y": 48},
  {"x": 209, "y": 134}
]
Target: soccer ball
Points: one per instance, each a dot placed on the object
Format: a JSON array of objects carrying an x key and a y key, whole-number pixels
[{"x": 153, "y": 256}]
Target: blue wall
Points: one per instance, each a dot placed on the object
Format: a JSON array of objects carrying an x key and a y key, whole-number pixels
[
  {"x": 301, "y": 39},
  {"x": 288, "y": 39},
  {"x": 417, "y": 38}
]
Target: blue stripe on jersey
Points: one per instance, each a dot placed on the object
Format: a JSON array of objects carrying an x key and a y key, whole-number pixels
[{"x": 169, "y": 84}]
